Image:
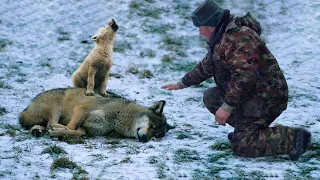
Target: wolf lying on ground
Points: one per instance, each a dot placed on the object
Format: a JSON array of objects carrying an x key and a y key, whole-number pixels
[
  {"x": 69, "y": 112},
  {"x": 93, "y": 72}
]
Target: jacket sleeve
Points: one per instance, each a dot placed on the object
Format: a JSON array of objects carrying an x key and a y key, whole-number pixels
[
  {"x": 242, "y": 57},
  {"x": 202, "y": 72}
]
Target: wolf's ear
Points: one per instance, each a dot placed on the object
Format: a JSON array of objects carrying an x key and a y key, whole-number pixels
[
  {"x": 94, "y": 38},
  {"x": 169, "y": 127},
  {"x": 157, "y": 108}
]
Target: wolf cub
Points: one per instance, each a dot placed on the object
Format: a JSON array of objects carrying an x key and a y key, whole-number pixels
[{"x": 93, "y": 72}]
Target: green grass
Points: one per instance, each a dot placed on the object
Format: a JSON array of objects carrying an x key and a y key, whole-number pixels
[
  {"x": 183, "y": 135},
  {"x": 148, "y": 53},
  {"x": 4, "y": 43},
  {"x": 121, "y": 46},
  {"x": 3, "y": 85},
  {"x": 63, "y": 35},
  {"x": 146, "y": 74},
  {"x": 143, "y": 9},
  {"x": 126, "y": 160},
  {"x": 3, "y": 110},
  {"x": 54, "y": 150},
  {"x": 63, "y": 162},
  {"x": 221, "y": 145},
  {"x": 186, "y": 155},
  {"x": 156, "y": 28}
]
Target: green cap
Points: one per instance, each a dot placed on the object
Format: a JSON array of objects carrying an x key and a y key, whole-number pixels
[{"x": 207, "y": 14}]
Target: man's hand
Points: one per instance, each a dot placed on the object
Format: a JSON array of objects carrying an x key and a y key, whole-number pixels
[
  {"x": 172, "y": 86},
  {"x": 221, "y": 116}
]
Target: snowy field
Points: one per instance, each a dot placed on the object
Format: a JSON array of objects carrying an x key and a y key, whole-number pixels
[{"x": 42, "y": 42}]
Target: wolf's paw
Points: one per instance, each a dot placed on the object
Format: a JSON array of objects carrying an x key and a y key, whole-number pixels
[
  {"x": 56, "y": 132},
  {"x": 104, "y": 94},
  {"x": 37, "y": 130},
  {"x": 89, "y": 93}
]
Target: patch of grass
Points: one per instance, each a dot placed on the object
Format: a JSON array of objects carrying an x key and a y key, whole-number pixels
[
  {"x": 221, "y": 145},
  {"x": 305, "y": 171},
  {"x": 214, "y": 171},
  {"x": 167, "y": 58},
  {"x": 184, "y": 135},
  {"x": 21, "y": 80},
  {"x": 3, "y": 85},
  {"x": 174, "y": 67},
  {"x": 116, "y": 75},
  {"x": 4, "y": 44},
  {"x": 153, "y": 160},
  {"x": 148, "y": 53},
  {"x": 114, "y": 143},
  {"x": 186, "y": 155},
  {"x": 161, "y": 169},
  {"x": 63, "y": 35},
  {"x": 146, "y": 74},
  {"x": 98, "y": 157},
  {"x": 5, "y": 173},
  {"x": 11, "y": 129},
  {"x": 80, "y": 174},
  {"x": 133, "y": 149},
  {"x": 143, "y": 9},
  {"x": 63, "y": 162},
  {"x": 200, "y": 175},
  {"x": 126, "y": 160},
  {"x": 121, "y": 46},
  {"x": 299, "y": 96},
  {"x": 3, "y": 110},
  {"x": 72, "y": 140},
  {"x": 216, "y": 157},
  {"x": 155, "y": 28},
  {"x": 54, "y": 150},
  {"x": 133, "y": 69}
]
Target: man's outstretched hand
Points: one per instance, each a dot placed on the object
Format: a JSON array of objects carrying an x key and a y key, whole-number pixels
[{"x": 172, "y": 86}]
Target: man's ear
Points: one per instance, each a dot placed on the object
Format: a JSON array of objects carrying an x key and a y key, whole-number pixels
[{"x": 157, "y": 107}]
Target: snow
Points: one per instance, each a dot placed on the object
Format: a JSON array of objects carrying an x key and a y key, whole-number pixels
[{"x": 45, "y": 48}]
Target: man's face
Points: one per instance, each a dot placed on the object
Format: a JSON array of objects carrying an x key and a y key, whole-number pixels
[{"x": 206, "y": 31}]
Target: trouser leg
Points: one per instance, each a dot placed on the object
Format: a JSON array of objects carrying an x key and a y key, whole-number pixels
[
  {"x": 264, "y": 142},
  {"x": 213, "y": 100}
]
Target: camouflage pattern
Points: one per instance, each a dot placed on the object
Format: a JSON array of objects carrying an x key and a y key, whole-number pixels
[
  {"x": 249, "y": 79},
  {"x": 256, "y": 138}
]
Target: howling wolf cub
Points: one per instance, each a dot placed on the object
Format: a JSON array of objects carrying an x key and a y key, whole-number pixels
[
  {"x": 93, "y": 72},
  {"x": 69, "y": 112}
]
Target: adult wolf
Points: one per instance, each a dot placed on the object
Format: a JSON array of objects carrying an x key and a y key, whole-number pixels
[{"x": 69, "y": 112}]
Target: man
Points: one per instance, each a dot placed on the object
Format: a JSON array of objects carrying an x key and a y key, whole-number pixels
[{"x": 251, "y": 89}]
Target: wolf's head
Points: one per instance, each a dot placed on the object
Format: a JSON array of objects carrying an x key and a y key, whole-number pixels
[
  {"x": 106, "y": 34},
  {"x": 152, "y": 123}
]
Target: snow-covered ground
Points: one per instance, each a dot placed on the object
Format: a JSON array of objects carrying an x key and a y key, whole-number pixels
[{"x": 43, "y": 42}]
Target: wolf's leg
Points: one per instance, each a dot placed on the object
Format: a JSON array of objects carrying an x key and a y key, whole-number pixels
[
  {"x": 103, "y": 85},
  {"x": 37, "y": 130},
  {"x": 58, "y": 132},
  {"x": 79, "y": 114},
  {"x": 90, "y": 86},
  {"x": 55, "y": 116},
  {"x": 77, "y": 81}
]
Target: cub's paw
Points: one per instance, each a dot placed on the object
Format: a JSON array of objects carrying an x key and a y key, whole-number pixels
[
  {"x": 104, "y": 94},
  {"x": 89, "y": 93},
  {"x": 37, "y": 130}
]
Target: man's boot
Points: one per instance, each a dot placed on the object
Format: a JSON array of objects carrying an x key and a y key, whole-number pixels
[{"x": 302, "y": 142}]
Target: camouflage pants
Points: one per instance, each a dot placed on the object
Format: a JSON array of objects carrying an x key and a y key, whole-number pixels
[{"x": 253, "y": 137}]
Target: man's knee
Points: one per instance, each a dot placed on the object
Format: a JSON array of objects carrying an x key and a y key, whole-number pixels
[{"x": 212, "y": 99}]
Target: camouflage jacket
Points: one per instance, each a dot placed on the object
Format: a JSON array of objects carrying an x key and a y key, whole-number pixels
[{"x": 243, "y": 67}]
